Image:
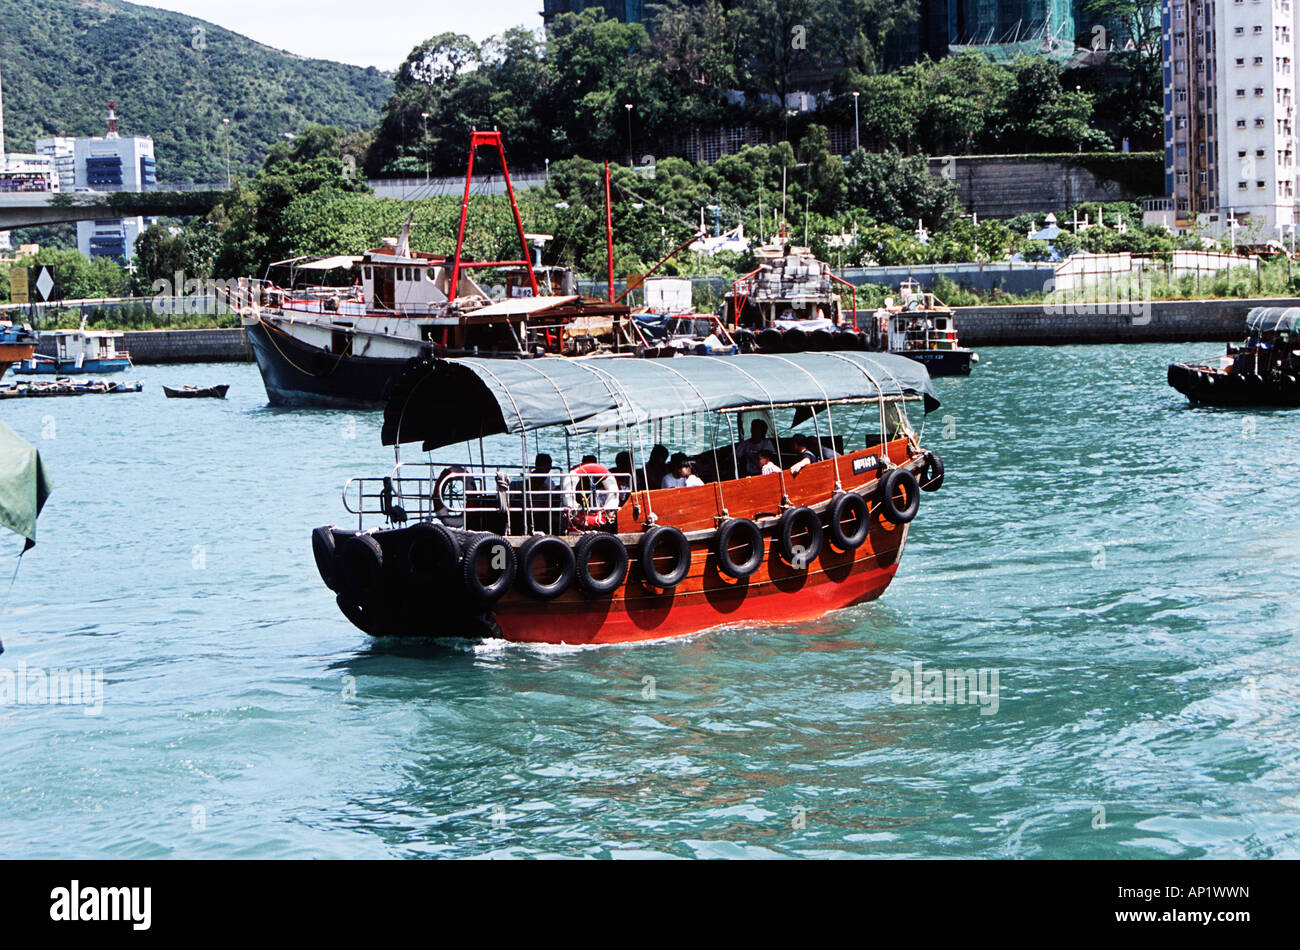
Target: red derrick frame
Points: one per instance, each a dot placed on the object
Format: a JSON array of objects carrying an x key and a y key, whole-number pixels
[{"x": 479, "y": 140}]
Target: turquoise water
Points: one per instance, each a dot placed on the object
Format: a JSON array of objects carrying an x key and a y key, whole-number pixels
[{"x": 1126, "y": 564}]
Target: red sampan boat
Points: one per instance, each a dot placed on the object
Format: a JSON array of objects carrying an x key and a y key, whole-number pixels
[{"x": 588, "y": 554}]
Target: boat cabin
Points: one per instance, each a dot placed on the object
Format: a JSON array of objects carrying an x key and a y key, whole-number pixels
[{"x": 79, "y": 347}]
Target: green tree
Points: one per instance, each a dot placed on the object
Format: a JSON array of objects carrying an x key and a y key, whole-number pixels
[{"x": 899, "y": 190}]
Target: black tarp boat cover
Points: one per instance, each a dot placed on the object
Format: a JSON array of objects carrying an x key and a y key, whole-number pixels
[
  {"x": 1273, "y": 320},
  {"x": 446, "y": 402}
]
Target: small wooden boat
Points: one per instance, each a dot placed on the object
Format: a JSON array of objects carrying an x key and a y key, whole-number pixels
[
  {"x": 196, "y": 392},
  {"x": 1263, "y": 371},
  {"x": 807, "y": 515}
]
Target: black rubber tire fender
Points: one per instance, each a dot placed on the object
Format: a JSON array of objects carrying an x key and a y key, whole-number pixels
[
  {"x": 432, "y": 552},
  {"x": 598, "y": 545},
  {"x": 490, "y": 591},
  {"x": 932, "y": 474},
  {"x": 894, "y": 480},
  {"x": 323, "y": 550},
  {"x": 732, "y": 532},
  {"x": 365, "y": 619},
  {"x": 651, "y": 543},
  {"x": 841, "y": 506},
  {"x": 561, "y": 554},
  {"x": 794, "y": 523},
  {"x": 359, "y": 568}
]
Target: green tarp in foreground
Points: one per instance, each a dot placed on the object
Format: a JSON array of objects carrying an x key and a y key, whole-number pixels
[{"x": 24, "y": 485}]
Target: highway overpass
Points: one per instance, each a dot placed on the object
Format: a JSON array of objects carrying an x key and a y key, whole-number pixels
[{"x": 27, "y": 210}]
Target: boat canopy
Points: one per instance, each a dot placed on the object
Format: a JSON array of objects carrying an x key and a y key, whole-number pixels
[
  {"x": 446, "y": 402},
  {"x": 1273, "y": 320}
]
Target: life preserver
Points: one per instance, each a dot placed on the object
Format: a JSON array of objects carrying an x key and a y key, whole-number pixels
[
  {"x": 852, "y": 507},
  {"x": 932, "y": 473},
  {"x": 603, "y": 548},
  {"x": 590, "y": 494},
  {"x": 360, "y": 568},
  {"x": 322, "y": 549},
  {"x": 432, "y": 552},
  {"x": 664, "y": 542},
  {"x": 502, "y": 567},
  {"x": 455, "y": 517},
  {"x": 557, "y": 553},
  {"x": 735, "y": 533},
  {"x": 895, "y": 480},
  {"x": 799, "y": 537}
]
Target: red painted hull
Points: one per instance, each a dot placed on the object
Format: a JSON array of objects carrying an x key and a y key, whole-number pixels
[
  {"x": 12, "y": 354},
  {"x": 835, "y": 582}
]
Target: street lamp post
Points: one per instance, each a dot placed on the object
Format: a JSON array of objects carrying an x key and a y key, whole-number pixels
[
  {"x": 857, "y": 128},
  {"x": 428, "y": 169},
  {"x": 226, "y": 124},
  {"x": 548, "y": 171},
  {"x": 631, "y": 160}
]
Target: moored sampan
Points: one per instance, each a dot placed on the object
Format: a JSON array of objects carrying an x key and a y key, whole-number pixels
[{"x": 591, "y": 555}]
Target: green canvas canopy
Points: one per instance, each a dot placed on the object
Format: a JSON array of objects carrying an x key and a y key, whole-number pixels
[
  {"x": 445, "y": 402},
  {"x": 24, "y": 485},
  {"x": 1273, "y": 320}
]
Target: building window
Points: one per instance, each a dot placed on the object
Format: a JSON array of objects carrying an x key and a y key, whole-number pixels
[
  {"x": 1241, "y": 93},
  {"x": 1259, "y": 60},
  {"x": 1259, "y": 184},
  {"x": 1259, "y": 153},
  {"x": 1238, "y": 31},
  {"x": 1241, "y": 61},
  {"x": 1241, "y": 123},
  {"x": 1259, "y": 123},
  {"x": 1259, "y": 90}
]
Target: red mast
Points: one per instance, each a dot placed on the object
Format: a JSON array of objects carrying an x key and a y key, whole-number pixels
[{"x": 477, "y": 140}]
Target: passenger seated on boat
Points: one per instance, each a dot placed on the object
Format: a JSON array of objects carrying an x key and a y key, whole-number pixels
[
  {"x": 542, "y": 488},
  {"x": 767, "y": 460},
  {"x": 656, "y": 467},
  {"x": 808, "y": 454},
  {"x": 681, "y": 473},
  {"x": 750, "y": 448}
]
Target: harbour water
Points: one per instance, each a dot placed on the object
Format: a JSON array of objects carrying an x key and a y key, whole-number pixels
[{"x": 1127, "y": 565}]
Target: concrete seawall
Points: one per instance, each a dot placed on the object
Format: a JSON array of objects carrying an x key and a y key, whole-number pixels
[
  {"x": 159, "y": 347},
  {"x": 1161, "y": 321}
]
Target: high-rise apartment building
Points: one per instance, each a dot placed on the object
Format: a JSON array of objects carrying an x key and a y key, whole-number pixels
[{"x": 1230, "y": 95}]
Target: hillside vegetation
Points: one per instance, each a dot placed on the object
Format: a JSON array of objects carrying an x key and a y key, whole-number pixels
[{"x": 174, "y": 78}]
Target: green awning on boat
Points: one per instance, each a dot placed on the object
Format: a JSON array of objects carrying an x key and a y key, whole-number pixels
[
  {"x": 445, "y": 402},
  {"x": 24, "y": 485},
  {"x": 1273, "y": 320}
]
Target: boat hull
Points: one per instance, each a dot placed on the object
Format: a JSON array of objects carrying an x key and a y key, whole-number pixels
[
  {"x": 776, "y": 592},
  {"x": 298, "y": 375},
  {"x": 88, "y": 367},
  {"x": 1203, "y": 386},
  {"x": 11, "y": 354},
  {"x": 942, "y": 362}
]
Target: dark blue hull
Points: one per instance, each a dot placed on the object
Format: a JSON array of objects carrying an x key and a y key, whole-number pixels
[
  {"x": 301, "y": 376},
  {"x": 49, "y": 367},
  {"x": 942, "y": 362}
]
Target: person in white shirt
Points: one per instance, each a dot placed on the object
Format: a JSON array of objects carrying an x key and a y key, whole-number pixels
[
  {"x": 768, "y": 464},
  {"x": 681, "y": 473}
]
